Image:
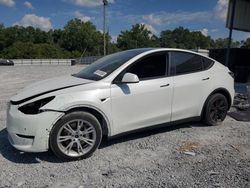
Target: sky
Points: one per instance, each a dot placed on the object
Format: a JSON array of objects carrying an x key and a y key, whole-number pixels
[{"x": 207, "y": 16}]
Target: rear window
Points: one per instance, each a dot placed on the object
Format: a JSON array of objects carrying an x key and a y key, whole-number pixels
[
  {"x": 207, "y": 63},
  {"x": 184, "y": 63}
]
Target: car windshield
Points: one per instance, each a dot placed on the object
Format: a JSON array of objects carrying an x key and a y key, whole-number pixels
[{"x": 106, "y": 65}]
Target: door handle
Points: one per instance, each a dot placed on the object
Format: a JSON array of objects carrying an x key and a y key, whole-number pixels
[
  {"x": 205, "y": 79},
  {"x": 166, "y": 85}
]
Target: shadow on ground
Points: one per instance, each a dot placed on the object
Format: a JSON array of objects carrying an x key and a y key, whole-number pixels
[
  {"x": 13, "y": 155},
  {"x": 145, "y": 133}
]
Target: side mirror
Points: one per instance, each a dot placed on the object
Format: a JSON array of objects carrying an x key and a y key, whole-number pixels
[{"x": 130, "y": 78}]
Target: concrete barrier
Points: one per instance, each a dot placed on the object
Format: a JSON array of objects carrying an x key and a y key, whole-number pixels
[{"x": 42, "y": 61}]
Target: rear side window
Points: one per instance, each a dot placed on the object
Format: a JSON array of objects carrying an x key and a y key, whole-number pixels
[
  {"x": 150, "y": 67},
  {"x": 184, "y": 63},
  {"x": 207, "y": 63}
]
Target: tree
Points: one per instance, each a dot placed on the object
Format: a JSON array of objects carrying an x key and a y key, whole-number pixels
[
  {"x": 29, "y": 50},
  {"x": 25, "y": 34},
  {"x": 2, "y": 44},
  {"x": 223, "y": 43},
  {"x": 138, "y": 37},
  {"x": 183, "y": 38},
  {"x": 23, "y": 50},
  {"x": 50, "y": 51},
  {"x": 76, "y": 37},
  {"x": 112, "y": 48},
  {"x": 57, "y": 36},
  {"x": 200, "y": 41},
  {"x": 246, "y": 44},
  {"x": 81, "y": 36}
]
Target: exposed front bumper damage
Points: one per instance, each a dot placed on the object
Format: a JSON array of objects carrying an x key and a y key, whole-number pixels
[{"x": 30, "y": 133}]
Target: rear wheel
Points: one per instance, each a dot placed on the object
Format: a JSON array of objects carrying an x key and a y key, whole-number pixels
[
  {"x": 76, "y": 136},
  {"x": 215, "y": 109}
]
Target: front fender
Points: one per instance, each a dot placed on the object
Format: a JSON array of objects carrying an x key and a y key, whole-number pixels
[{"x": 98, "y": 100}]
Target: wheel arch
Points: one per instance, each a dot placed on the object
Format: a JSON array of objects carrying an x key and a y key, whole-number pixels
[
  {"x": 101, "y": 117},
  {"x": 222, "y": 91}
]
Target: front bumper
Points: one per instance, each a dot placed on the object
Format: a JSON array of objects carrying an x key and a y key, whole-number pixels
[{"x": 30, "y": 133}]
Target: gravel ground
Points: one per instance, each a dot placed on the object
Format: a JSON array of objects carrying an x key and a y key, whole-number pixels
[{"x": 220, "y": 156}]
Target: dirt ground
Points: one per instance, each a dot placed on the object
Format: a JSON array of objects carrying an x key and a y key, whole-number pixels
[{"x": 220, "y": 156}]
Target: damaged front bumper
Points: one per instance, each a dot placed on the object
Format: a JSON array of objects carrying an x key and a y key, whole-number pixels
[{"x": 30, "y": 133}]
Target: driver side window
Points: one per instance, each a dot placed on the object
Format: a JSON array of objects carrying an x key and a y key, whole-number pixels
[{"x": 153, "y": 66}]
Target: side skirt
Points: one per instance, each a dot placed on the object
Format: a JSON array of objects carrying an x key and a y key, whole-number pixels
[{"x": 192, "y": 119}]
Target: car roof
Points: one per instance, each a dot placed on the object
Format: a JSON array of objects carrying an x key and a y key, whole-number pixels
[
  {"x": 149, "y": 50},
  {"x": 142, "y": 50}
]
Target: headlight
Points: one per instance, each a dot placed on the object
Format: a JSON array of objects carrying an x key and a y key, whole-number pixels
[{"x": 34, "y": 107}]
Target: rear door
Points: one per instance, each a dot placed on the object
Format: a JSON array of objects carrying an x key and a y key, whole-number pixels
[{"x": 191, "y": 84}]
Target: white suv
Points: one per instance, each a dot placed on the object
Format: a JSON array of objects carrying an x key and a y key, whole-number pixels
[{"x": 121, "y": 92}]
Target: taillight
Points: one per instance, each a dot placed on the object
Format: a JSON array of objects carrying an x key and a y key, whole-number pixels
[{"x": 231, "y": 74}]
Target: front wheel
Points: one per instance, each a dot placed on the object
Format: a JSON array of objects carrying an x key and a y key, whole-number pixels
[
  {"x": 215, "y": 109},
  {"x": 76, "y": 136}
]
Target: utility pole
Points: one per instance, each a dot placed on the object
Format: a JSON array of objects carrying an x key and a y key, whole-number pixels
[
  {"x": 105, "y": 3},
  {"x": 231, "y": 22}
]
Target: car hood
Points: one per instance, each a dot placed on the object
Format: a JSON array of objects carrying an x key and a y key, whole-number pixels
[{"x": 47, "y": 86}]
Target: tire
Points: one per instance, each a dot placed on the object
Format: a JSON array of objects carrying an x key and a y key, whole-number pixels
[
  {"x": 75, "y": 136},
  {"x": 215, "y": 110}
]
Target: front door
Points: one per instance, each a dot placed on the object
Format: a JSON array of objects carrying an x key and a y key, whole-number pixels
[{"x": 139, "y": 105}]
